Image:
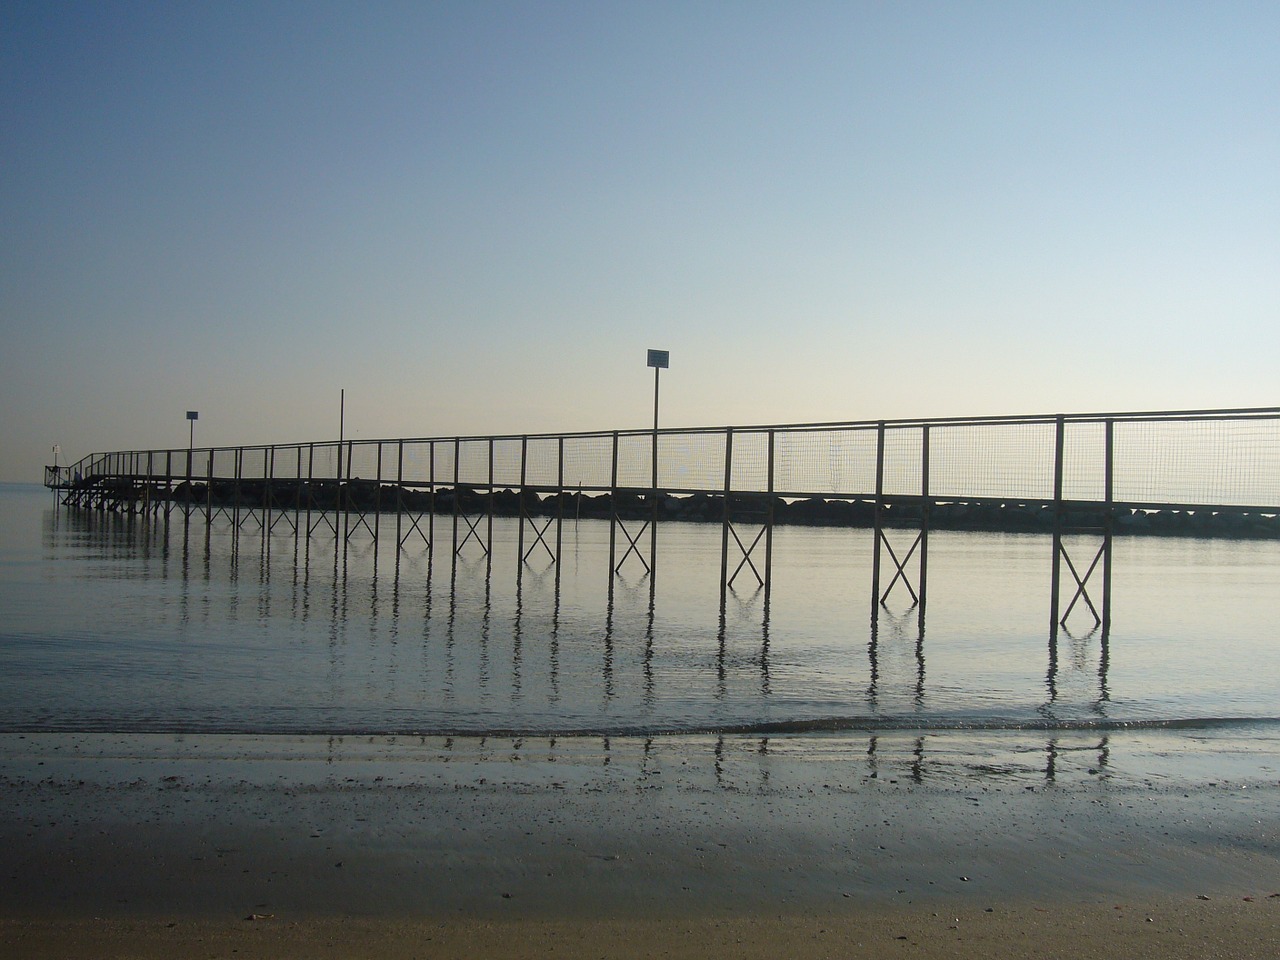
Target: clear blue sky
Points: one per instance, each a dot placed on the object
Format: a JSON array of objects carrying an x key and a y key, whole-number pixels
[{"x": 475, "y": 217}]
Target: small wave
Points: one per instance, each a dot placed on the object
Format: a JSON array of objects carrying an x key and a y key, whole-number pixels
[
  {"x": 978, "y": 724},
  {"x": 801, "y": 727}
]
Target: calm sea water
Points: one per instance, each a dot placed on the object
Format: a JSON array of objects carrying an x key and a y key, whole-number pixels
[{"x": 113, "y": 624}]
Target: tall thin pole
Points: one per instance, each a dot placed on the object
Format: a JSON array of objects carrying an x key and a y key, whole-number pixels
[
  {"x": 656, "y": 372},
  {"x": 340, "y": 503},
  {"x": 653, "y": 496}
]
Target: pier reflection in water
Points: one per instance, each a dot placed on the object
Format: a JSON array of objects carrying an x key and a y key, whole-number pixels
[{"x": 248, "y": 626}]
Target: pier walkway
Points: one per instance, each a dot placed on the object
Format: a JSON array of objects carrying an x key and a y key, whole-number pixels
[{"x": 1198, "y": 472}]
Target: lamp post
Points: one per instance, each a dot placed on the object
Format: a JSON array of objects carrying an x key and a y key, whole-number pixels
[
  {"x": 192, "y": 417},
  {"x": 659, "y": 360}
]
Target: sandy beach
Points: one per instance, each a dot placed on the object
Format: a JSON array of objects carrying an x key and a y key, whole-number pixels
[{"x": 947, "y": 845}]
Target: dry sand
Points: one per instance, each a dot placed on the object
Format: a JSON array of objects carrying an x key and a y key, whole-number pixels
[
  {"x": 1017, "y": 845},
  {"x": 1157, "y": 929}
]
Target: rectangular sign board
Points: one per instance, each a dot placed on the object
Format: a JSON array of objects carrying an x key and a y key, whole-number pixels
[
  {"x": 660, "y": 358},
  {"x": 193, "y": 415}
]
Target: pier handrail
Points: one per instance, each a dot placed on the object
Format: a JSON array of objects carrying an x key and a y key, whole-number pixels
[{"x": 1182, "y": 459}]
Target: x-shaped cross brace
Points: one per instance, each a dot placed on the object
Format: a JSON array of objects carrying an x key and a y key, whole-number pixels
[
  {"x": 472, "y": 532},
  {"x": 1081, "y": 592},
  {"x": 362, "y": 519},
  {"x": 901, "y": 567},
  {"x": 323, "y": 517},
  {"x": 414, "y": 520},
  {"x": 286, "y": 517},
  {"x": 539, "y": 538},
  {"x": 633, "y": 545},
  {"x": 746, "y": 555}
]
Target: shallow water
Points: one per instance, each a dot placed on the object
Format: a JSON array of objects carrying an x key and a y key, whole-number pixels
[{"x": 111, "y": 623}]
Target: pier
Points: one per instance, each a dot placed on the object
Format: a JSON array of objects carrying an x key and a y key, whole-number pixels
[{"x": 1198, "y": 473}]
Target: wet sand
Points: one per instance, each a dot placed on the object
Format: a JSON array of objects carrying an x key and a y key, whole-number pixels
[{"x": 923, "y": 845}]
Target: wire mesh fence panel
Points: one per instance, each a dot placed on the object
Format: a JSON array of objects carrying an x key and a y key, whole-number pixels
[
  {"x": 361, "y": 461},
  {"x": 224, "y": 462},
  {"x": 542, "y": 462},
  {"x": 414, "y": 462},
  {"x": 1000, "y": 461},
  {"x": 286, "y": 463},
  {"x": 635, "y": 460},
  {"x": 851, "y": 462},
  {"x": 322, "y": 461},
  {"x": 252, "y": 463},
  {"x": 1084, "y": 461},
  {"x": 473, "y": 463},
  {"x": 588, "y": 462},
  {"x": 390, "y": 461},
  {"x": 904, "y": 461},
  {"x": 826, "y": 461},
  {"x": 258, "y": 463},
  {"x": 691, "y": 461},
  {"x": 1212, "y": 462},
  {"x": 445, "y": 457},
  {"x": 507, "y": 457},
  {"x": 750, "y": 473}
]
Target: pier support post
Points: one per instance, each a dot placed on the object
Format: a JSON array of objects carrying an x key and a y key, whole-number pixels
[
  {"x": 533, "y": 520},
  {"x": 1058, "y": 446},
  {"x": 482, "y": 515},
  {"x": 415, "y": 516},
  {"x": 763, "y": 516},
  {"x": 877, "y": 519},
  {"x": 618, "y": 523},
  {"x": 559, "y": 514},
  {"x": 919, "y": 546},
  {"x": 1060, "y": 553},
  {"x": 724, "y": 523}
]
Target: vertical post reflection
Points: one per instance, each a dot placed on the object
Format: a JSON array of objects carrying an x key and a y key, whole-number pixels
[
  {"x": 608, "y": 643},
  {"x": 649, "y": 695},
  {"x": 516, "y": 627}
]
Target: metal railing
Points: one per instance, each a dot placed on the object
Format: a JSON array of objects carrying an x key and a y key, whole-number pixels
[{"x": 1156, "y": 460}]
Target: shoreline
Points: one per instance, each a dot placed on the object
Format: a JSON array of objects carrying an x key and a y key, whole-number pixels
[{"x": 378, "y": 841}]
